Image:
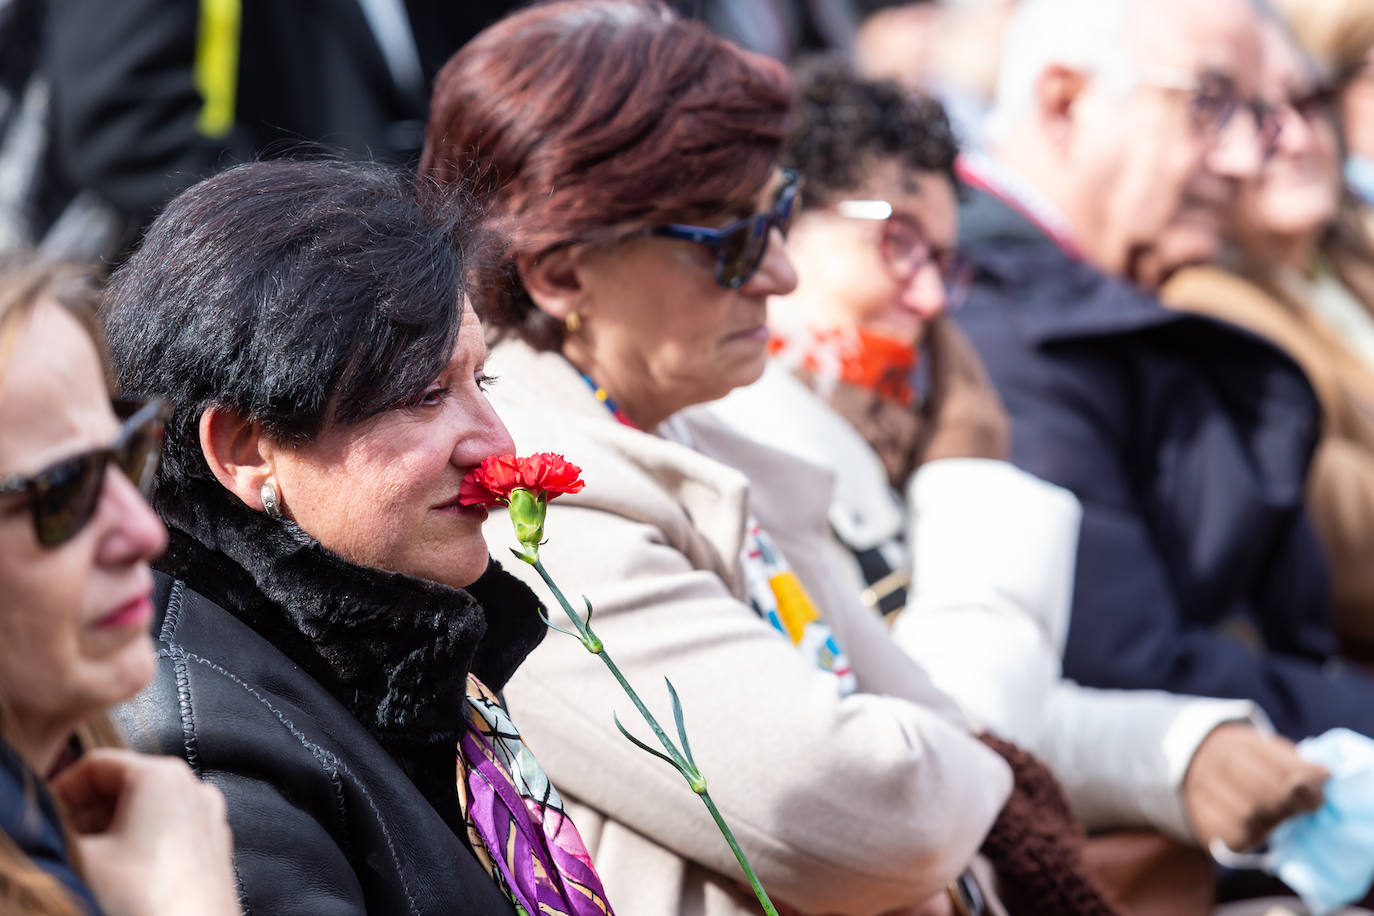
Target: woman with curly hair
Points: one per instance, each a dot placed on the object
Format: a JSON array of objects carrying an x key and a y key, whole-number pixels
[{"x": 971, "y": 558}]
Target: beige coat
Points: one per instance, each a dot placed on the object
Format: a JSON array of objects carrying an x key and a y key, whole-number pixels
[
  {"x": 1341, "y": 481},
  {"x": 847, "y": 805}
]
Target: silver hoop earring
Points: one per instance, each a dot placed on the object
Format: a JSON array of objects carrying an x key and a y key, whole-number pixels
[{"x": 270, "y": 503}]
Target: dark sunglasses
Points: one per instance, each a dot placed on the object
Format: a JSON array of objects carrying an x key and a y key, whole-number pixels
[
  {"x": 740, "y": 246},
  {"x": 64, "y": 495}
]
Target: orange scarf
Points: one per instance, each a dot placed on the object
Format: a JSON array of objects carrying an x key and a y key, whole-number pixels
[{"x": 865, "y": 359}]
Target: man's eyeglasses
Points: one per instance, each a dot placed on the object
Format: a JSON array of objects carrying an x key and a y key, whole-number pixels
[
  {"x": 740, "y": 246},
  {"x": 1214, "y": 100},
  {"x": 64, "y": 495},
  {"x": 906, "y": 251},
  {"x": 1314, "y": 105}
]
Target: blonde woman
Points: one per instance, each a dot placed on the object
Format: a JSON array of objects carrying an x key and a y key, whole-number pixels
[
  {"x": 1340, "y": 35},
  {"x": 1301, "y": 273},
  {"x": 85, "y": 827}
]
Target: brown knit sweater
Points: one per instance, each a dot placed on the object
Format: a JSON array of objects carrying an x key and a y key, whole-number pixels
[{"x": 1036, "y": 845}]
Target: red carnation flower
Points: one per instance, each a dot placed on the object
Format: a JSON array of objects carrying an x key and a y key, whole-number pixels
[{"x": 546, "y": 475}]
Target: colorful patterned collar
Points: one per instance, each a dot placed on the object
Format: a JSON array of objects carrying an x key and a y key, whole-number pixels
[{"x": 604, "y": 397}]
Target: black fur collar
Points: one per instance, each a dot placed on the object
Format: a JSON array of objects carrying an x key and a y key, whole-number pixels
[{"x": 394, "y": 649}]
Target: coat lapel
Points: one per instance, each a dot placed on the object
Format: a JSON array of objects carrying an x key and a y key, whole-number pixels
[{"x": 547, "y": 406}]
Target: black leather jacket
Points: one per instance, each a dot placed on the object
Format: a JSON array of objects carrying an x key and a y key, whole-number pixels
[{"x": 325, "y": 700}]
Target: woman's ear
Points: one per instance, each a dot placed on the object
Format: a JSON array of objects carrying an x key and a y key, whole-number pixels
[
  {"x": 237, "y": 453},
  {"x": 554, "y": 281}
]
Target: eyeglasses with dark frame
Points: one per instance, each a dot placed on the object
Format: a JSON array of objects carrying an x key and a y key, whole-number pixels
[
  {"x": 906, "y": 250},
  {"x": 1213, "y": 101},
  {"x": 741, "y": 245},
  {"x": 64, "y": 495}
]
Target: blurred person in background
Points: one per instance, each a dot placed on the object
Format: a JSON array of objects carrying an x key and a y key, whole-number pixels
[
  {"x": 782, "y": 29},
  {"x": 1301, "y": 253},
  {"x": 949, "y": 49},
  {"x": 630, "y": 162},
  {"x": 896, "y": 41},
  {"x": 85, "y": 826},
  {"x": 1119, "y": 144},
  {"x": 924, "y": 494},
  {"x": 1340, "y": 35},
  {"x": 330, "y": 631},
  {"x": 136, "y": 100}
]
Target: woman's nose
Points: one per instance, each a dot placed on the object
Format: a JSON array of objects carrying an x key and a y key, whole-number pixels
[
  {"x": 130, "y": 532},
  {"x": 489, "y": 438},
  {"x": 501, "y": 441},
  {"x": 925, "y": 292},
  {"x": 776, "y": 276}
]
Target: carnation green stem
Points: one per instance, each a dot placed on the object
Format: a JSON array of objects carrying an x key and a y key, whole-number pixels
[{"x": 686, "y": 767}]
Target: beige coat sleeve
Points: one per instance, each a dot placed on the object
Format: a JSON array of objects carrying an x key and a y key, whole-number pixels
[
  {"x": 1341, "y": 501},
  {"x": 853, "y": 805}
]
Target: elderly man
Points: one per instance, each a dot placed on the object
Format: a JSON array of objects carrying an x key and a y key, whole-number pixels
[{"x": 1119, "y": 132}]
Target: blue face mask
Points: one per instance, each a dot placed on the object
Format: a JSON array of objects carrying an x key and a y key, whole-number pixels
[
  {"x": 1327, "y": 856},
  {"x": 1359, "y": 175}
]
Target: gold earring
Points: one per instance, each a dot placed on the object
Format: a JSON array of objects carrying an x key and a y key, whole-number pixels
[
  {"x": 573, "y": 323},
  {"x": 271, "y": 503}
]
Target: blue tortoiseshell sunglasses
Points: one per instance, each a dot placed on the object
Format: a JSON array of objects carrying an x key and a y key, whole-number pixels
[{"x": 740, "y": 246}]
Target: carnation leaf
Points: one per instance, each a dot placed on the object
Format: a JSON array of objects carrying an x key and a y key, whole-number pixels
[
  {"x": 644, "y": 747},
  {"x": 553, "y": 626},
  {"x": 681, "y": 726}
]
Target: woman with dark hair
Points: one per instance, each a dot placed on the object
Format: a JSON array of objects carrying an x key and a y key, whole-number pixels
[
  {"x": 330, "y": 630},
  {"x": 630, "y": 162},
  {"x": 85, "y": 826}
]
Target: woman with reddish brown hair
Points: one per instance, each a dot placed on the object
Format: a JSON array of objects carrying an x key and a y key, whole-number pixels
[{"x": 629, "y": 164}]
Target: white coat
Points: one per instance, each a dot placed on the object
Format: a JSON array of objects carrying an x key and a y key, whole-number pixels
[{"x": 991, "y": 552}]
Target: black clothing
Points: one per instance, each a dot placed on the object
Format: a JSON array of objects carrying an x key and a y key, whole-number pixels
[
  {"x": 1187, "y": 441},
  {"x": 785, "y": 29},
  {"x": 29, "y": 818},
  {"x": 326, "y": 701},
  {"x": 125, "y": 102}
]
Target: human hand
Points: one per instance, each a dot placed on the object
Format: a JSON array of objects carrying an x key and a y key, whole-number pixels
[
  {"x": 962, "y": 416},
  {"x": 152, "y": 838},
  {"x": 1242, "y": 783}
]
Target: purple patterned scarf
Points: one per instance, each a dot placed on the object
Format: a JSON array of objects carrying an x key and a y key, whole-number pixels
[{"x": 516, "y": 822}]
